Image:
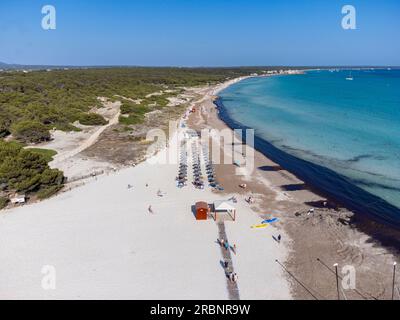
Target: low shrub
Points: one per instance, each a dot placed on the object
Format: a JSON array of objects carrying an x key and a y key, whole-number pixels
[
  {"x": 24, "y": 170},
  {"x": 92, "y": 119},
  {"x": 48, "y": 192},
  {"x": 131, "y": 119},
  {"x": 30, "y": 131},
  {"x": 46, "y": 153},
  {"x": 3, "y": 202}
]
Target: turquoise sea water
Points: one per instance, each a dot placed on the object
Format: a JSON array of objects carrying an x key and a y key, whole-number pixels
[{"x": 350, "y": 127}]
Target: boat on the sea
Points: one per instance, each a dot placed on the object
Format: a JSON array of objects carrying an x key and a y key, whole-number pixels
[{"x": 350, "y": 77}]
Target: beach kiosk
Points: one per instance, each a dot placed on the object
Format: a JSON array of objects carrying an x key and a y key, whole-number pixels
[
  {"x": 222, "y": 206},
  {"x": 202, "y": 210},
  {"x": 18, "y": 199}
]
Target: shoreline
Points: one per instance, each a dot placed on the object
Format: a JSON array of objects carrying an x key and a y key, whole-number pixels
[
  {"x": 322, "y": 181},
  {"x": 330, "y": 234},
  {"x": 347, "y": 195}
]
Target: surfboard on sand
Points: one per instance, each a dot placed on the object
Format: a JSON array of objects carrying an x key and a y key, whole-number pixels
[
  {"x": 270, "y": 220},
  {"x": 259, "y": 226},
  {"x": 265, "y": 223}
]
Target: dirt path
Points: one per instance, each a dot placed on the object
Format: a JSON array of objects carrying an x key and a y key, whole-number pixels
[{"x": 88, "y": 142}]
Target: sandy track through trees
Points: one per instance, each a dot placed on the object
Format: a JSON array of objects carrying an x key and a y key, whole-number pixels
[{"x": 88, "y": 142}]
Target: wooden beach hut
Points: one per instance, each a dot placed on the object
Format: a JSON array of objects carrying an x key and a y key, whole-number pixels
[{"x": 202, "y": 210}]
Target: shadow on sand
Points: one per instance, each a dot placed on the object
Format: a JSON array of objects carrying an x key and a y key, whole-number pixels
[
  {"x": 270, "y": 168},
  {"x": 294, "y": 187}
]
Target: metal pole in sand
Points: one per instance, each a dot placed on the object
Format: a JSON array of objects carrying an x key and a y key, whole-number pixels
[
  {"x": 340, "y": 278},
  {"x": 337, "y": 280},
  {"x": 394, "y": 278}
]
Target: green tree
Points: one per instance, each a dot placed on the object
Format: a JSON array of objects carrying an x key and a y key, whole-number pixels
[
  {"x": 5, "y": 123},
  {"x": 23, "y": 170},
  {"x": 92, "y": 119},
  {"x": 30, "y": 131},
  {"x": 3, "y": 202}
]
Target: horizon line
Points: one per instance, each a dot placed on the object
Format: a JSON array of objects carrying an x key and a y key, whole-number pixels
[{"x": 194, "y": 66}]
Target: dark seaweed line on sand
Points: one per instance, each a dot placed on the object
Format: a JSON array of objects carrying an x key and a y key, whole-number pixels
[{"x": 326, "y": 182}]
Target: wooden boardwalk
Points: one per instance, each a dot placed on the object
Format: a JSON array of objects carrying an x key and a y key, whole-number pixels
[{"x": 233, "y": 289}]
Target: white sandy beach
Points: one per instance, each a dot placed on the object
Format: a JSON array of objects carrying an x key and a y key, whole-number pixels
[{"x": 104, "y": 244}]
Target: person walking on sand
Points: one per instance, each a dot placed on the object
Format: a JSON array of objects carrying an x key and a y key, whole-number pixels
[
  {"x": 226, "y": 244},
  {"x": 279, "y": 238},
  {"x": 234, "y": 278},
  {"x": 234, "y": 249},
  {"x": 150, "y": 210}
]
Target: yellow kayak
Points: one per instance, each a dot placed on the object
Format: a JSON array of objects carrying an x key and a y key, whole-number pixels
[{"x": 259, "y": 226}]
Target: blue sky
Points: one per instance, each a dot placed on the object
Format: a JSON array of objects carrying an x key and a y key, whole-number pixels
[{"x": 200, "y": 33}]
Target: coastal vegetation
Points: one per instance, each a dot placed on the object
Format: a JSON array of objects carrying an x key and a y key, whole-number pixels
[
  {"x": 30, "y": 131},
  {"x": 48, "y": 154},
  {"x": 35, "y": 102},
  {"x": 3, "y": 202},
  {"x": 27, "y": 171},
  {"x": 92, "y": 119},
  {"x": 132, "y": 113}
]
